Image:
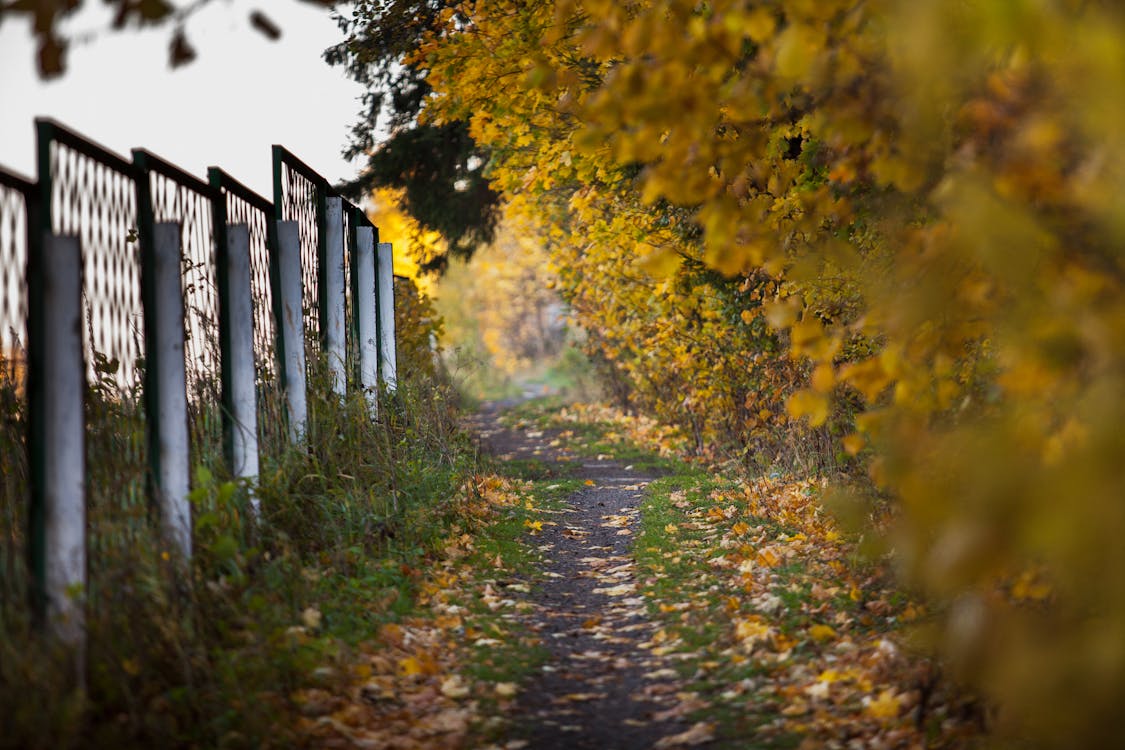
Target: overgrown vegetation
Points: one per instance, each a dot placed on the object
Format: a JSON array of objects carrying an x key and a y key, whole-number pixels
[
  {"x": 211, "y": 656},
  {"x": 218, "y": 653}
]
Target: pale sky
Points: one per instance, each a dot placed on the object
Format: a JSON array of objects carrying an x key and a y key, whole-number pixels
[{"x": 242, "y": 94}]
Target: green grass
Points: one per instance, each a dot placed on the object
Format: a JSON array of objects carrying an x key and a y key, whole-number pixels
[
  {"x": 589, "y": 439},
  {"x": 673, "y": 564}
]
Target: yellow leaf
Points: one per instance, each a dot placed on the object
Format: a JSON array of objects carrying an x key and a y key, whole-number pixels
[
  {"x": 455, "y": 687},
  {"x": 805, "y": 335},
  {"x": 783, "y": 643},
  {"x": 1029, "y": 587},
  {"x": 853, "y": 443},
  {"x": 823, "y": 378},
  {"x": 752, "y": 630},
  {"x": 830, "y": 676},
  {"x": 821, "y": 633},
  {"x": 506, "y": 689},
  {"x": 661, "y": 263},
  {"x": 768, "y": 558},
  {"x": 809, "y": 404},
  {"x": 781, "y": 314},
  {"x": 797, "y": 49},
  {"x": 886, "y": 706},
  {"x": 760, "y": 24},
  {"x": 410, "y": 666}
]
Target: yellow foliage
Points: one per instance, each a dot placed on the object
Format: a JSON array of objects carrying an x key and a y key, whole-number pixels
[
  {"x": 903, "y": 219},
  {"x": 413, "y": 246}
]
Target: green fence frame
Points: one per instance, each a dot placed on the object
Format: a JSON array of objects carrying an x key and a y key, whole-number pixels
[{"x": 285, "y": 166}]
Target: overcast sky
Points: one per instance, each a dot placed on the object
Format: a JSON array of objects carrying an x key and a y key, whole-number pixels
[{"x": 241, "y": 95}]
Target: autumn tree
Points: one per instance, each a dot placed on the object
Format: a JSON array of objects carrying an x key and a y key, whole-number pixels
[
  {"x": 887, "y": 234},
  {"x": 437, "y": 169}
]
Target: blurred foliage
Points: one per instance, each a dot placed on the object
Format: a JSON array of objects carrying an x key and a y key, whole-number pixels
[
  {"x": 899, "y": 223},
  {"x": 418, "y": 329},
  {"x": 505, "y": 296},
  {"x": 414, "y": 247},
  {"x": 506, "y": 327},
  {"x": 47, "y": 18}
]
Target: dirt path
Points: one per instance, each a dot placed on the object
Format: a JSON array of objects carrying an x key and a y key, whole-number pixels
[{"x": 602, "y": 686}]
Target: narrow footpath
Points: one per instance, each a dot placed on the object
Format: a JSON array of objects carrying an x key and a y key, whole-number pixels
[{"x": 601, "y": 686}]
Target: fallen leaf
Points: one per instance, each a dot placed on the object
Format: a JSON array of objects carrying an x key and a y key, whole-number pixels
[
  {"x": 454, "y": 687},
  {"x": 821, "y": 633},
  {"x": 886, "y": 706},
  {"x": 699, "y": 734},
  {"x": 311, "y": 618}
]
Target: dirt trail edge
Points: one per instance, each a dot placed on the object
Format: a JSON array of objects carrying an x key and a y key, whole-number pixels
[{"x": 603, "y": 685}]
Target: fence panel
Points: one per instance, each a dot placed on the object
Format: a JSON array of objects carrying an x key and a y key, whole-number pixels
[
  {"x": 354, "y": 219},
  {"x": 177, "y": 196},
  {"x": 90, "y": 192},
  {"x": 301, "y": 195},
  {"x": 17, "y": 196},
  {"x": 240, "y": 205}
]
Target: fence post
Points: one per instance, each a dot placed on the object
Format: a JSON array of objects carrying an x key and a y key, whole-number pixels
[
  {"x": 364, "y": 274},
  {"x": 64, "y": 450},
  {"x": 292, "y": 327},
  {"x": 388, "y": 367},
  {"x": 164, "y": 353},
  {"x": 334, "y": 294},
  {"x": 239, "y": 356}
]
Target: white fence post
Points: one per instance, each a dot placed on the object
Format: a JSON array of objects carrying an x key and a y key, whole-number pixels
[
  {"x": 64, "y": 442},
  {"x": 335, "y": 346},
  {"x": 364, "y": 271},
  {"x": 388, "y": 365},
  {"x": 240, "y": 328},
  {"x": 173, "y": 443},
  {"x": 292, "y": 327}
]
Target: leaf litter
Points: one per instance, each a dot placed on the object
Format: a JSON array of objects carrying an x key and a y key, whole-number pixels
[{"x": 711, "y": 614}]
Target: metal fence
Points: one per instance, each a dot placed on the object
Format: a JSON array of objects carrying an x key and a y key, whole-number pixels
[
  {"x": 90, "y": 193},
  {"x": 169, "y": 194},
  {"x": 201, "y": 335},
  {"x": 301, "y": 195},
  {"x": 238, "y": 204}
]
